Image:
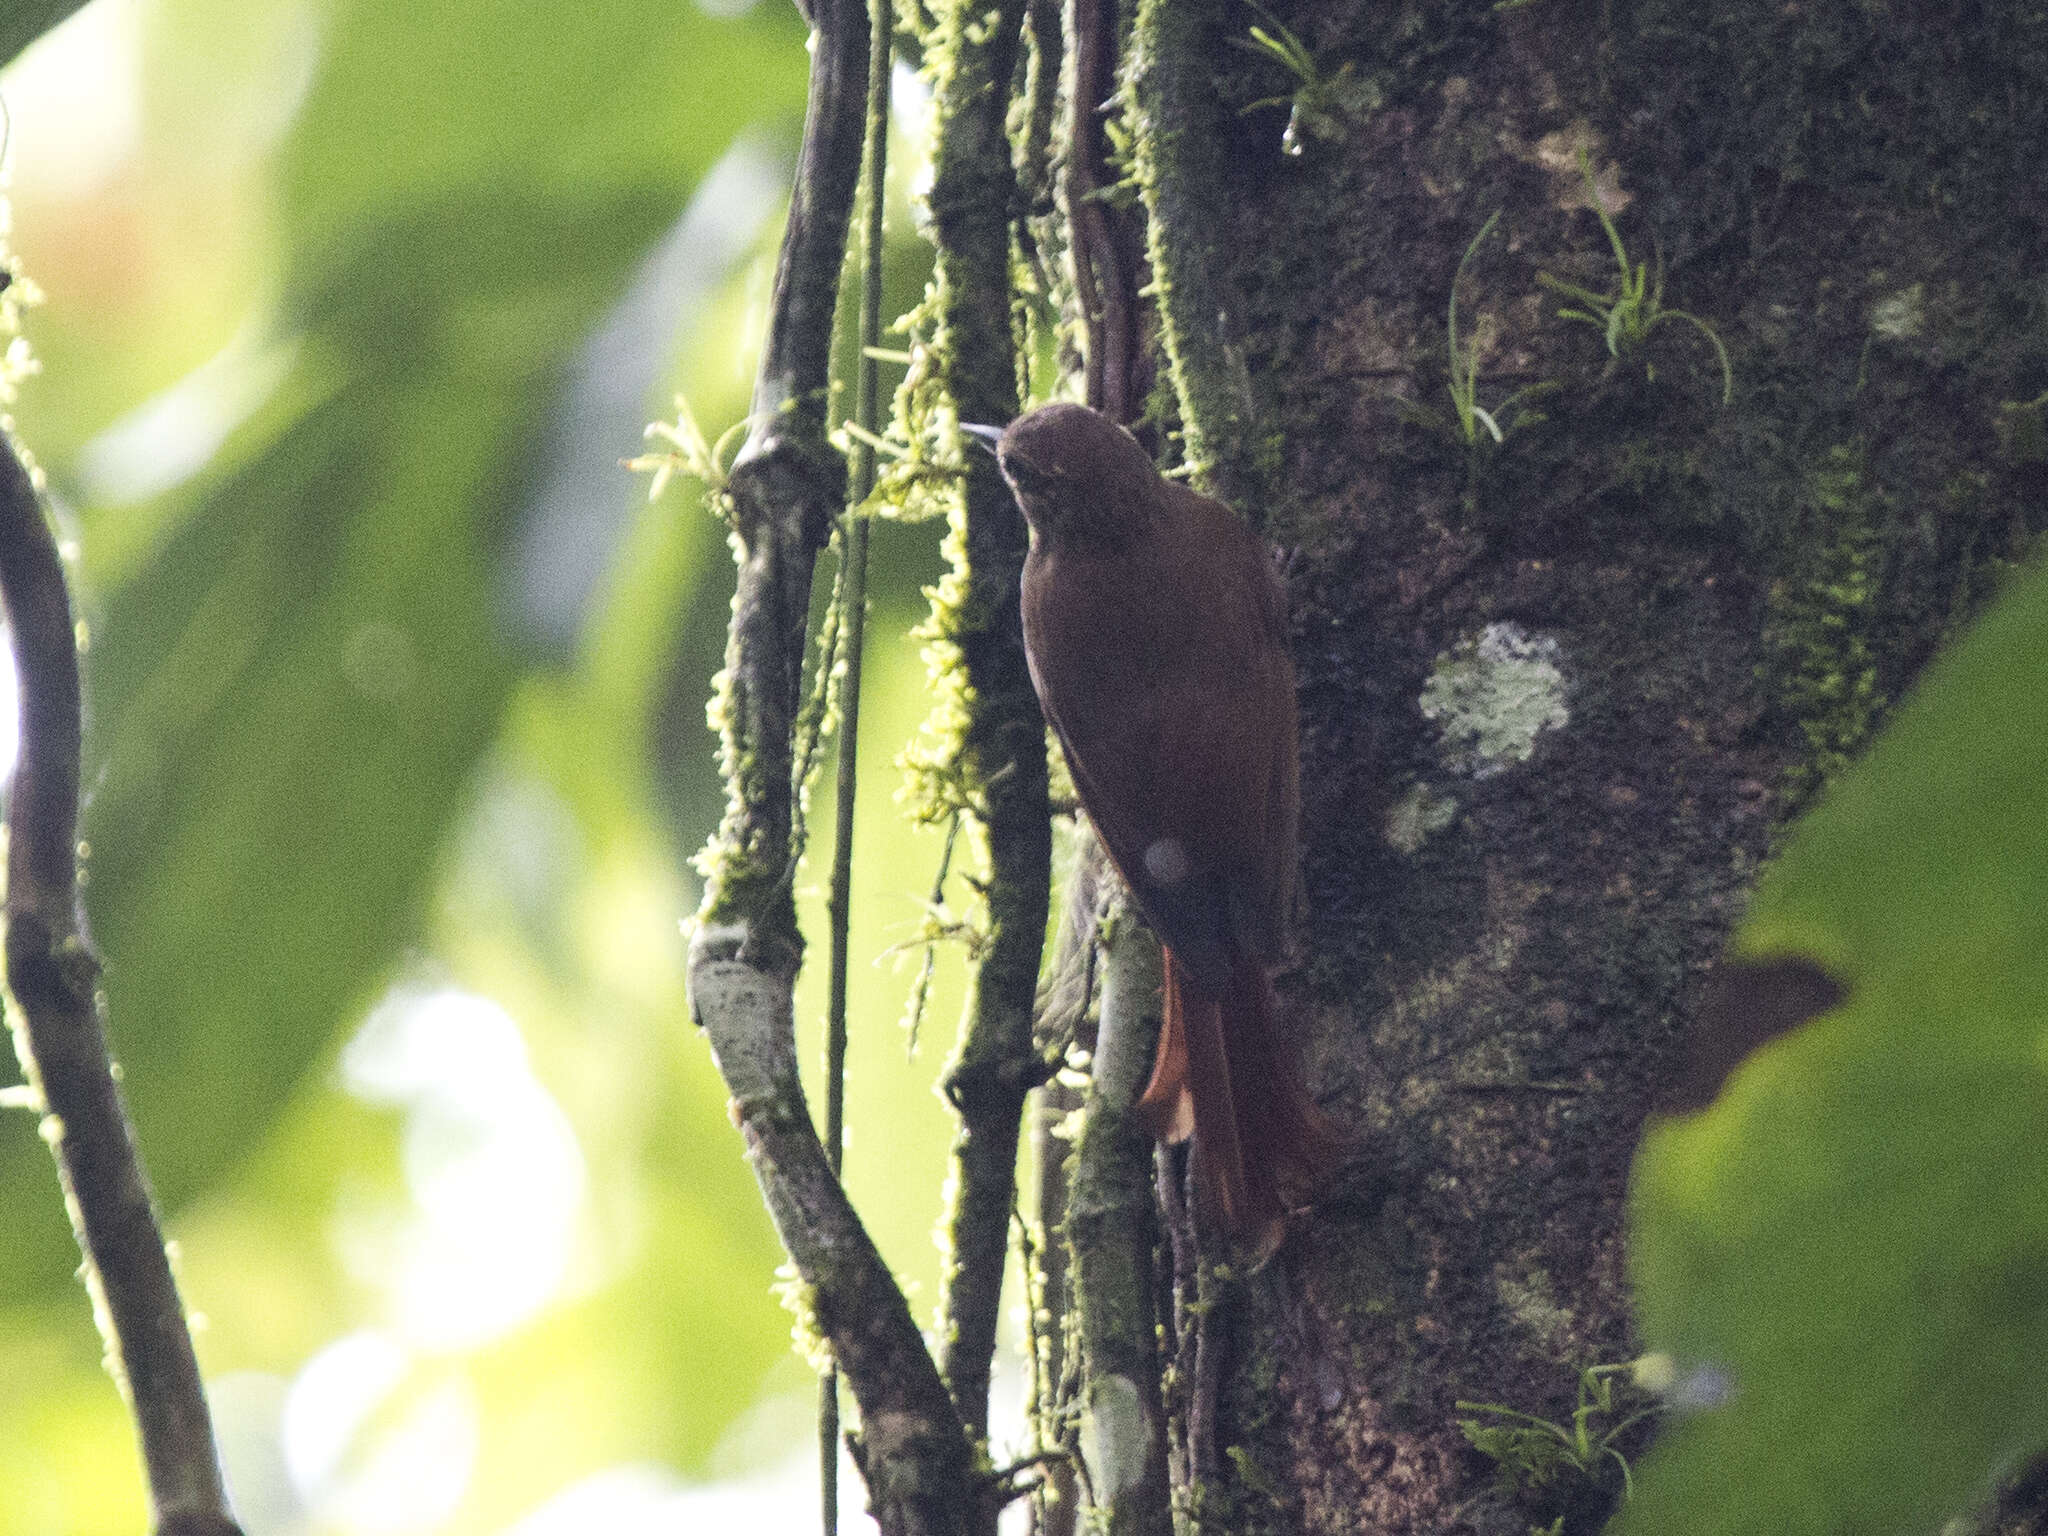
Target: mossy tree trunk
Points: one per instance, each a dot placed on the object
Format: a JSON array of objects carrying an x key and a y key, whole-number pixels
[{"x": 1560, "y": 691}]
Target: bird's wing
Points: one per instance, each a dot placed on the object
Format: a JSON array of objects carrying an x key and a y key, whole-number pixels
[
  {"x": 1261, "y": 882},
  {"x": 1167, "y": 681}
]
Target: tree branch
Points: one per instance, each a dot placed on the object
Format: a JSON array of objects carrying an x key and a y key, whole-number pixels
[
  {"x": 1104, "y": 247},
  {"x": 1110, "y": 1235},
  {"x": 61, "y": 1039},
  {"x": 1063, "y": 1024},
  {"x": 784, "y": 493},
  {"x": 1177, "y": 132},
  {"x": 1002, "y": 734}
]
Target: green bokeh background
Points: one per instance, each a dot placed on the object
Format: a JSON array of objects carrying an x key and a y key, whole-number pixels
[{"x": 333, "y": 293}]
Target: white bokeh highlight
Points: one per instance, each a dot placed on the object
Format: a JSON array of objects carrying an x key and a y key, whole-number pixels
[{"x": 492, "y": 1165}]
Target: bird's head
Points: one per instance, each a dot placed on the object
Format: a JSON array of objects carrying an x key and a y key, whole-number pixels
[{"x": 1076, "y": 473}]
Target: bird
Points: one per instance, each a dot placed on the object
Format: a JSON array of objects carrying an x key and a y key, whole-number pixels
[{"x": 1155, "y": 632}]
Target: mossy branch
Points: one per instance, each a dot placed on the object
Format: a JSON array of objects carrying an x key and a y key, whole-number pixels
[
  {"x": 1066, "y": 1029},
  {"x": 783, "y": 496},
  {"x": 60, "y": 1038},
  {"x": 1177, "y": 128},
  {"x": 1110, "y": 1237},
  {"x": 1041, "y": 94},
  {"x": 992, "y": 715}
]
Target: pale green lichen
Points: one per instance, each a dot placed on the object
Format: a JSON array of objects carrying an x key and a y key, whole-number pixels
[
  {"x": 1531, "y": 1302},
  {"x": 1417, "y": 816},
  {"x": 1900, "y": 316},
  {"x": 1492, "y": 696},
  {"x": 1116, "y": 1437}
]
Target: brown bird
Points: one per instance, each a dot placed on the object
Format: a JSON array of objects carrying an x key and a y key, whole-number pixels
[{"x": 1155, "y": 629}]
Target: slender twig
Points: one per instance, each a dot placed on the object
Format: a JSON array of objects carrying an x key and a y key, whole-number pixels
[
  {"x": 1056, "y": 1508},
  {"x": 928, "y": 961},
  {"x": 61, "y": 1041},
  {"x": 812, "y": 720},
  {"x": 786, "y": 490},
  {"x": 853, "y": 595}
]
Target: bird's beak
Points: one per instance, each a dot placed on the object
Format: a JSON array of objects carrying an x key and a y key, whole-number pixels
[{"x": 988, "y": 437}]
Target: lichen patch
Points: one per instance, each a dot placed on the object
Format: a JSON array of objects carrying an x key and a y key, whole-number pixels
[{"x": 1491, "y": 697}]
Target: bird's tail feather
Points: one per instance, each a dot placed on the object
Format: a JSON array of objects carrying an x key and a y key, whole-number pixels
[{"x": 1224, "y": 1074}]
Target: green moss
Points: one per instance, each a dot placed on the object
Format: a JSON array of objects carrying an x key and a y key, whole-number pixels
[
  {"x": 939, "y": 783},
  {"x": 746, "y": 870},
  {"x": 1817, "y": 636},
  {"x": 1177, "y": 156},
  {"x": 1251, "y": 1475}
]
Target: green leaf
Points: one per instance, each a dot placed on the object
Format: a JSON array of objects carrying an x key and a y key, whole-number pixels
[{"x": 1843, "y": 1255}]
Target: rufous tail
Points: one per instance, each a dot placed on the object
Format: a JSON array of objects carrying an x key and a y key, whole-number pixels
[{"x": 1225, "y": 1076}]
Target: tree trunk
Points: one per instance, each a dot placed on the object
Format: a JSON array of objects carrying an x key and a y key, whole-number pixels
[{"x": 1560, "y": 691}]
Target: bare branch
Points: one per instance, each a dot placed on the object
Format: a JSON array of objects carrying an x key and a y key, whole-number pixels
[
  {"x": 1104, "y": 246},
  {"x": 61, "y": 1039}
]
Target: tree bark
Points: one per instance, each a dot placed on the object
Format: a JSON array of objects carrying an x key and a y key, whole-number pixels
[{"x": 1559, "y": 691}]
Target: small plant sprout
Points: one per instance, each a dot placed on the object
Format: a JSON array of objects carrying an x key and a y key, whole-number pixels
[
  {"x": 1628, "y": 316},
  {"x": 687, "y": 454},
  {"x": 1463, "y": 369},
  {"x": 1470, "y": 419},
  {"x": 1532, "y": 1453},
  {"x": 1319, "y": 103}
]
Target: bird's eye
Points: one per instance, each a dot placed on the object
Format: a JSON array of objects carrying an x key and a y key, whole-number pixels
[{"x": 1027, "y": 477}]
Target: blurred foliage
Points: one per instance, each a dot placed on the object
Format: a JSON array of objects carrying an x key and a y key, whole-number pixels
[
  {"x": 1841, "y": 1256},
  {"x": 396, "y": 681}
]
